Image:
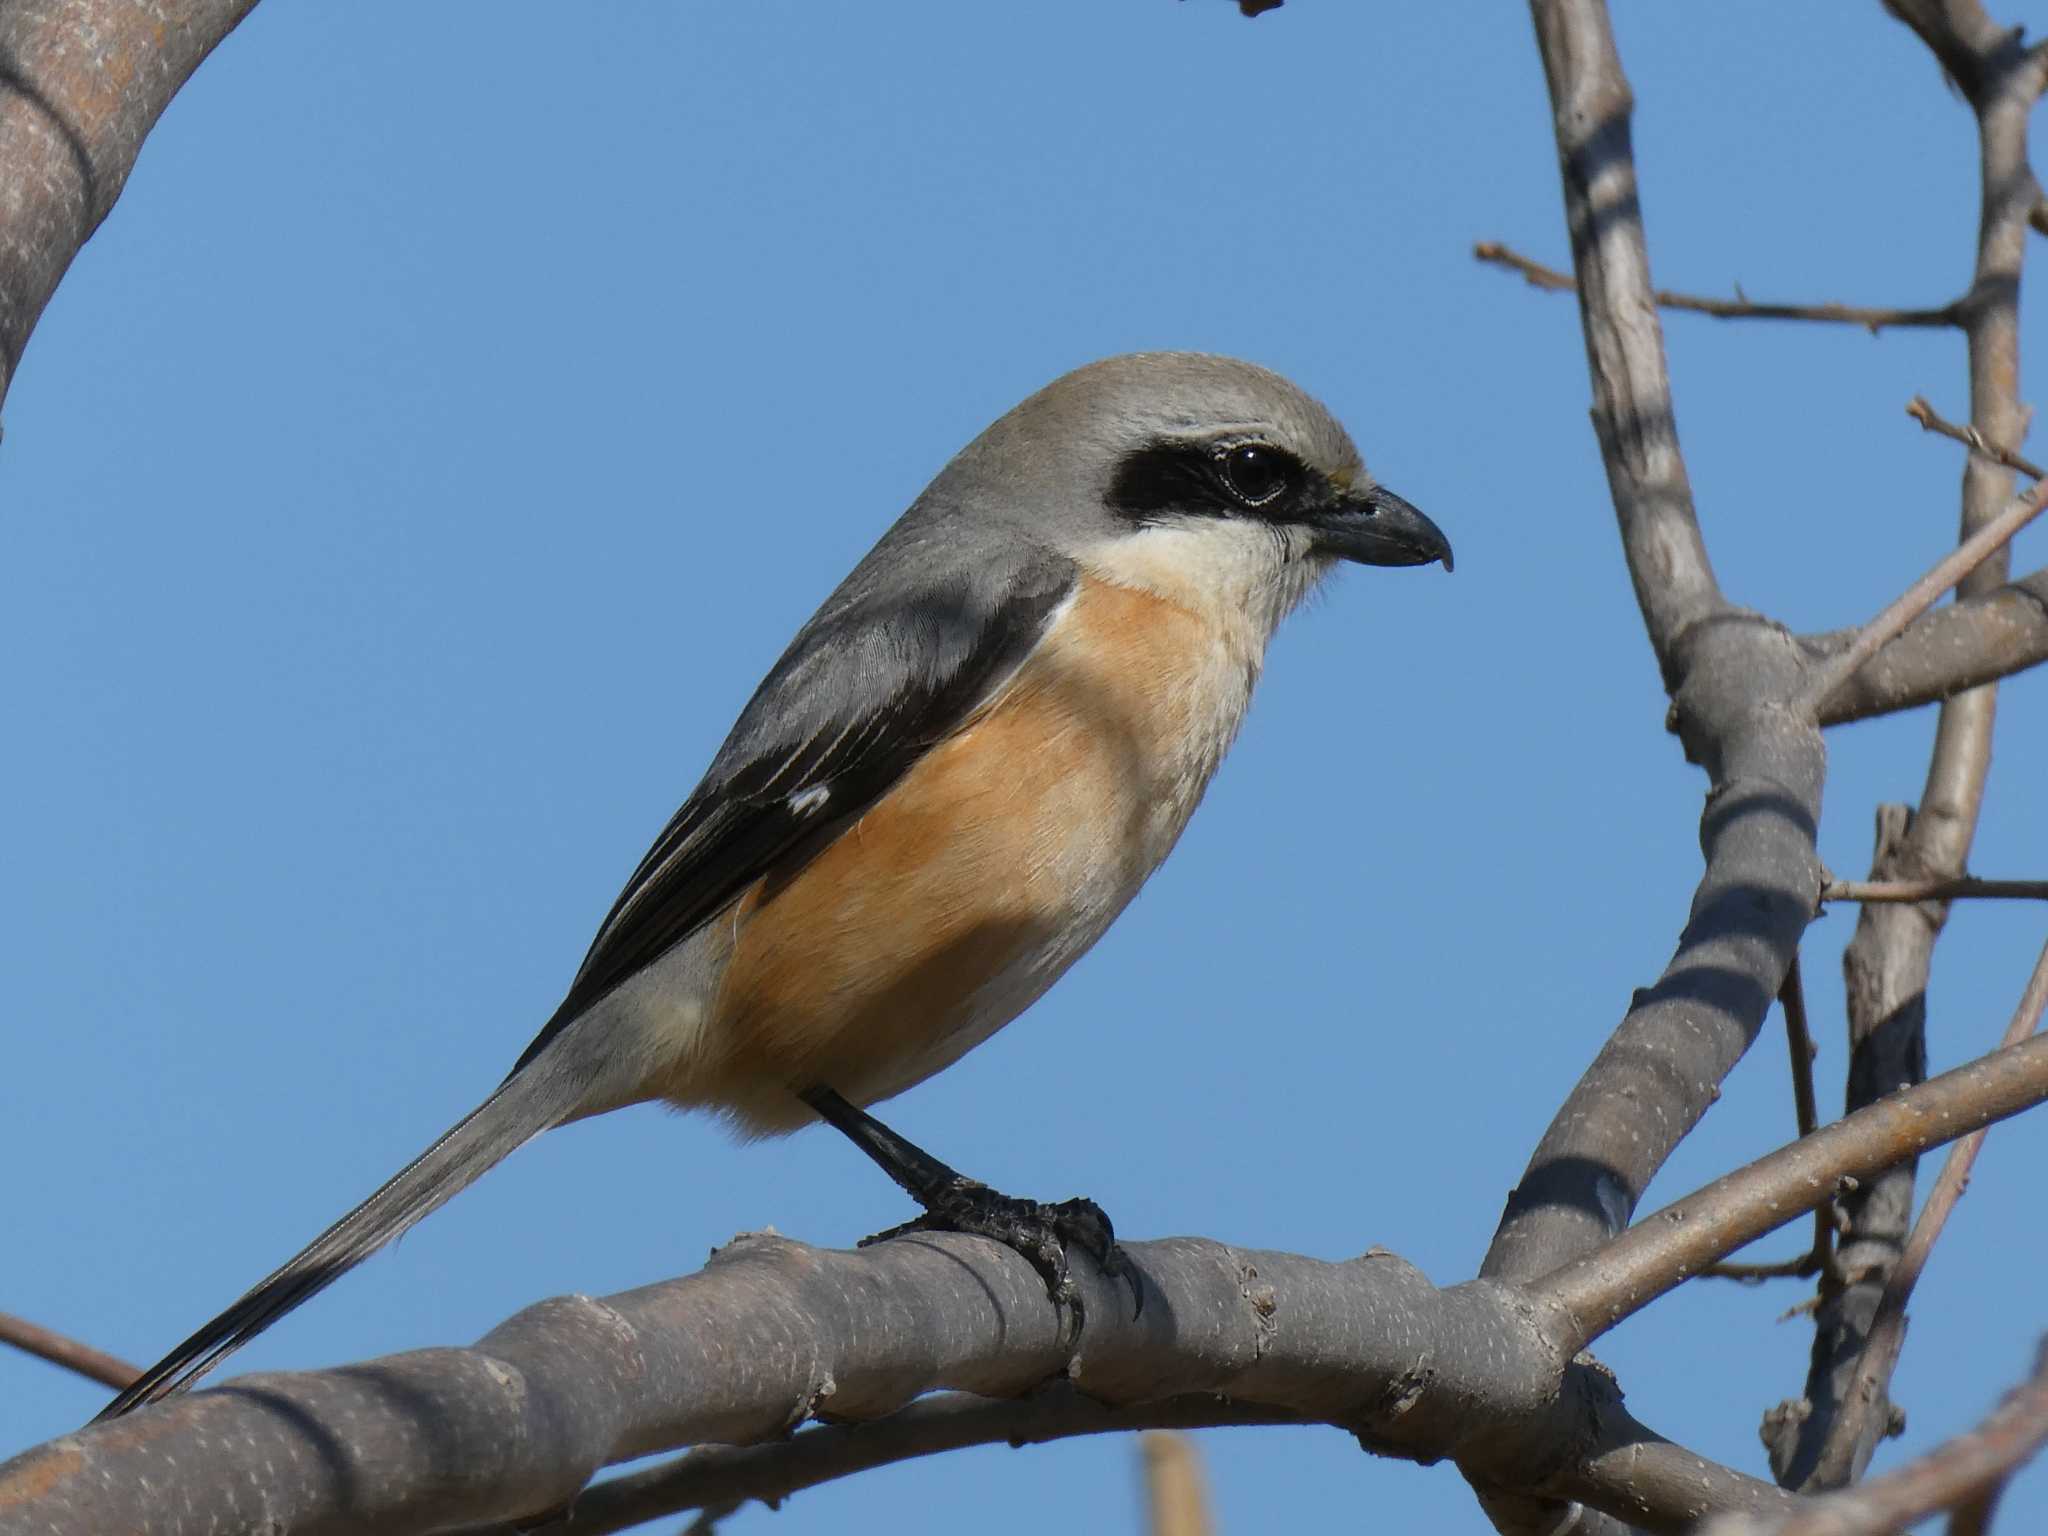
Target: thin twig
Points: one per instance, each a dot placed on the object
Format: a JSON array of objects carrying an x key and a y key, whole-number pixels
[
  {"x": 1888, "y": 1328},
  {"x": 1922, "y": 595},
  {"x": 1933, "y": 421},
  {"x": 1176, "y": 1502},
  {"x": 1808, "y": 1263},
  {"x": 1934, "y": 888},
  {"x": 46, "y": 1344},
  {"x": 724, "y": 1477},
  {"x": 1667, "y": 1247},
  {"x": 1800, "y": 1048},
  {"x": 1738, "y": 308},
  {"x": 1973, "y": 641},
  {"x": 1799, "y": 1044},
  {"x": 1951, "y": 1475},
  {"x": 1972, "y": 1517}
]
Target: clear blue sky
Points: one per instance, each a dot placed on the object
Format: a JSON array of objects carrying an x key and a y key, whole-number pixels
[{"x": 465, "y": 402}]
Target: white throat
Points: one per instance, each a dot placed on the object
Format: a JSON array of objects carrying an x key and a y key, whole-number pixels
[{"x": 1240, "y": 575}]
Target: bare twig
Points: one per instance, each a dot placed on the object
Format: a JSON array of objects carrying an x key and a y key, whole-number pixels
[
  {"x": 1947, "y": 651},
  {"x": 1808, "y": 1263},
  {"x": 1665, "y": 1248},
  {"x": 1959, "y": 1473},
  {"x": 1884, "y": 981},
  {"x": 1922, "y": 595},
  {"x": 1933, "y": 421},
  {"x": 1799, "y": 1044},
  {"x": 47, "y": 1344},
  {"x": 727, "y": 1476},
  {"x": 1176, "y": 1503},
  {"x": 1738, "y": 308},
  {"x": 1850, "y": 1431},
  {"x": 1806, "y": 1112},
  {"x": 1935, "y": 888}
]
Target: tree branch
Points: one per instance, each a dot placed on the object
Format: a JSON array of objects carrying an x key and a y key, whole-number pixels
[
  {"x": 1893, "y": 950},
  {"x": 1632, "y": 409},
  {"x": 1859, "y": 1420},
  {"x": 1800, "y": 1051},
  {"x": 1932, "y": 420},
  {"x": 58, "y": 1349},
  {"x": 717, "y": 1477},
  {"x": 1661, "y": 1251},
  {"x": 773, "y": 1332},
  {"x": 1973, "y": 641},
  {"x": 1177, "y": 1503},
  {"x": 1730, "y": 674},
  {"x": 1964, "y": 1470},
  {"x": 1738, "y": 308},
  {"x": 1935, "y": 888},
  {"x": 81, "y": 83},
  {"x": 1982, "y": 544}
]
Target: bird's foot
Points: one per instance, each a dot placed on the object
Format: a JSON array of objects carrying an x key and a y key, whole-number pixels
[{"x": 1040, "y": 1232}]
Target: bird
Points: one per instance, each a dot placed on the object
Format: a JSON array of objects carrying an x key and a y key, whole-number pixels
[{"x": 954, "y": 779}]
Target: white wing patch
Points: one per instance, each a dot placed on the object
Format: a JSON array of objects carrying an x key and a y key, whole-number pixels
[{"x": 805, "y": 801}]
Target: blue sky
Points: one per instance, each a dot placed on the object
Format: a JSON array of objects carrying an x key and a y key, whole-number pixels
[{"x": 463, "y": 405}]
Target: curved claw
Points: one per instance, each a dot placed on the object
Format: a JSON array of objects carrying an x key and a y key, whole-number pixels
[{"x": 1037, "y": 1232}]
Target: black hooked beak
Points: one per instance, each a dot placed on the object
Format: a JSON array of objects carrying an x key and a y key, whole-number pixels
[{"x": 1376, "y": 527}]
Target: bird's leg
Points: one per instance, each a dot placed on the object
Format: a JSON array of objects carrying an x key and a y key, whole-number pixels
[{"x": 952, "y": 1202}]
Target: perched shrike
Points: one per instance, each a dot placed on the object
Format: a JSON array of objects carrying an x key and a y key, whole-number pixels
[{"x": 958, "y": 774}]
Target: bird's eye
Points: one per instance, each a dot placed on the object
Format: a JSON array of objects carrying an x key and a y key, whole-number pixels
[{"x": 1255, "y": 473}]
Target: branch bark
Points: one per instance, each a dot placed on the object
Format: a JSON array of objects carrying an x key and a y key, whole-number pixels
[
  {"x": 1862, "y": 1408},
  {"x": 58, "y": 1349},
  {"x": 1666, "y": 1248},
  {"x": 1964, "y": 1474},
  {"x": 772, "y": 1332},
  {"x": 1932, "y": 888},
  {"x": 1825, "y": 1438},
  {"x": 1732, "y": 676},
  {"x": 81, "y": 83},
  {"x": 1947, "y": 651},
  {"x": 1741, "y": 307}
]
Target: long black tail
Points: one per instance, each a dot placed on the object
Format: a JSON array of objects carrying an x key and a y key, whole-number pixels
[{"x": 525, "y": 1105}]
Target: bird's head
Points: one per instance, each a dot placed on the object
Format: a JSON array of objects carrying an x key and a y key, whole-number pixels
[{"x": 1201, "y": 477}]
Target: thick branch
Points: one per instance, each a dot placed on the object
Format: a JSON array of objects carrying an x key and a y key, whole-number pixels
[
  {"x": 1632, "y": 409},
  {"x": 772, "y": 1333},
  {"x": 1977, "y": 640},
  {"x": 1971, "y": 47},
  {"x": 1738, "y": 308},
  {"x": 81, "y": 83},
  {"x": 1731, "y": 675}
]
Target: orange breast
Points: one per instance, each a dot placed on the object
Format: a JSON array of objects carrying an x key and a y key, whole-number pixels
[{"x": 970, "y": 887}]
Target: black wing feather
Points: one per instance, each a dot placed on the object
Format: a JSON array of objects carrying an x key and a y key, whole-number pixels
[{"x": 821, "y": 720}]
